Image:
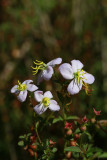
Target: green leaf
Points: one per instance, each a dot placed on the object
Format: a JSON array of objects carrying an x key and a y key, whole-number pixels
[
  {"x": 29, "y": 134},
  {"x": 54, "y": 150},
  {"x": 77, "y": 131},
  {"x": 73, "y": 149},
  {"x": 104, "y": 155},
  {"x": 21, "y": 143},
  {"x": 57, "y": 119},
  {"x": 21, "y": 137},
  {"x": 71, "y": 117},
  {"x": 37, "y": 124}
]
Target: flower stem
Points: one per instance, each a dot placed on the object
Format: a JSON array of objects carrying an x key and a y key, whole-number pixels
[{"x": 38, "y": 136}]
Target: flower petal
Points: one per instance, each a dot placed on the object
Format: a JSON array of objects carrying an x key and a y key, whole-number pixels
[
  {"x": 66, "y": 71},
  {"x": 14, "y": 89},
  {"x": 76, "y": 65},
  {"x": 54, "y": 62},
  {"x": 54, "y": 106},
  {"x": 38, "y": 95},
  {"x": 32, "y": 87},
  {"x": 40, "y": 78},
  {"x": 39, "y": 109},
  {"x": 74, "y": 87},
  {"x": 88, "y": 78},
  {"x": 27, "y": 82},
  {"x": 48, "y": 94},
  {"x": 22, "y": 96},
  {"x": 47, "y": 74}
]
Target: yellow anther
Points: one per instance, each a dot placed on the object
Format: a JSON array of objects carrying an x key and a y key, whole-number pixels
[
  {"x": 21, "y": 87},
  {"x": 46, "y": 101},
  {"x": 39, "y": 66},
  {"x": 79, "y": 75}
]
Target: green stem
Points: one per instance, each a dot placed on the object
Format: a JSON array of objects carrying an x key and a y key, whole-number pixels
[{"x": 38, "y": 136}]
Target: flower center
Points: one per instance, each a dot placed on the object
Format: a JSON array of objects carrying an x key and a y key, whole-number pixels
[
  {"x": 39, "y": 66},
  {"x": 79, "y": 75},
  {"x": 21, "y": 87},
  {"x": 46, "y": 101}
]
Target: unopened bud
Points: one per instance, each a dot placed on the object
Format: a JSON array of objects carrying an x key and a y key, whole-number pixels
[
  {"x": 69, "y": 132},
  {"x": 68, "y": 155},
  {"x": 73, "y": 143},
  {"x": 26, "y": 147},
  {"x": 31, "y": 152},
  {"x": 35, "y": 154},
  {"x": 77, "y": 136},
  {"x": 33, "y": 146},
  {"x": 83, "y": 128},
  {"x": 32, "y": 138},
  {"x": 93, "y": 120}
]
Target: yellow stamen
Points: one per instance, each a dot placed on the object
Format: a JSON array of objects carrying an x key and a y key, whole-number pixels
[
  {"x": 78, "y": 75},
  {"x": 39, "y": 66},
  {"x": 21, "y": 87},
  {"x": 46, "y": 101}
]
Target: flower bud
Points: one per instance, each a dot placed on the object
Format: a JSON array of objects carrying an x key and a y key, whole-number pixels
[
  {"x": 26, "y": 147},
  {"x": 31, "y": 152},
  {"x": 77, "y": 136},
  {"x": 73, "y": 143},
  {"x": 69, "y": 132},
  {"x": 32, "y": 138},
  {"x": 68, "y": 155},
  {"x": 83, "y": 128},
  {"x": 35, "y": 154},
  {"x": 93, "y": 120},
  {"x": 32, "y": 146}
]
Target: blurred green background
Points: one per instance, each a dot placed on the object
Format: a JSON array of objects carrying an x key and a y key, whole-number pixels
[{"x": 44, "y": 30}]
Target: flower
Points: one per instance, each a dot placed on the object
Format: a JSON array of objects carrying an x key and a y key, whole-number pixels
[
  {"x": 46, "y": 69},
  {"x": 97, "y": 113},
  {"x": 85, "y": 119},
  {"x": 68, "y": 125},
  {"x": 79, "y": 77},
  {"x": 51, "y": 143},
  {"x": 45, "y": 101},
  {"x": 22, "y": 89}
]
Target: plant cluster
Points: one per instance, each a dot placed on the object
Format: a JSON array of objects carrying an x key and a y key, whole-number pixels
[{"x": 55, "y": 132}]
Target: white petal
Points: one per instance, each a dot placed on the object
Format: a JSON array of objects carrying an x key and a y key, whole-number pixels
[
  {"x": 47, "y": 74},
  {"x": 32, "y": 87},
  {"x": 38, "y": 95},
  {"x": 54, "y": 106},
  {"x": 54, "y": 62},
  {"x": 14, "y": 89},
  {"x": 89, "y": 78},
  {"x": 22, "y": 96},
  {"x": 27, "y": 82},
  {"x": 66, "y": 71},
  {"x": 74, "y": 87},
  {"x": 40, "y": 78},
  {"x": 39, "y": 109},
  {"x": 76, "y": 65},
  {"x": 48, "y": 94}
]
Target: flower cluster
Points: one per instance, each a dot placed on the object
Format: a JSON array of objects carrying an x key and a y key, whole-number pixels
[{"x": 72, "y": 72}]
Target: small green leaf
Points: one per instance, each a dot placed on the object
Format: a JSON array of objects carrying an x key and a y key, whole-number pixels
[
  {"x": 73, "y": 149},
  {"x": 37, "y": 124},
  {"x": 104, "y": 155},
  {"x": 21, "y": 143},
  {"x": 57, "y": 119},
  {"x": 71, "y": 117},
  {"x": 21, "y": 137}
]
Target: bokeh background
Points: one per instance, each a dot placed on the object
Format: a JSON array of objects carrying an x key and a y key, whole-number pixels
[{"x": 44, "y": 30}]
